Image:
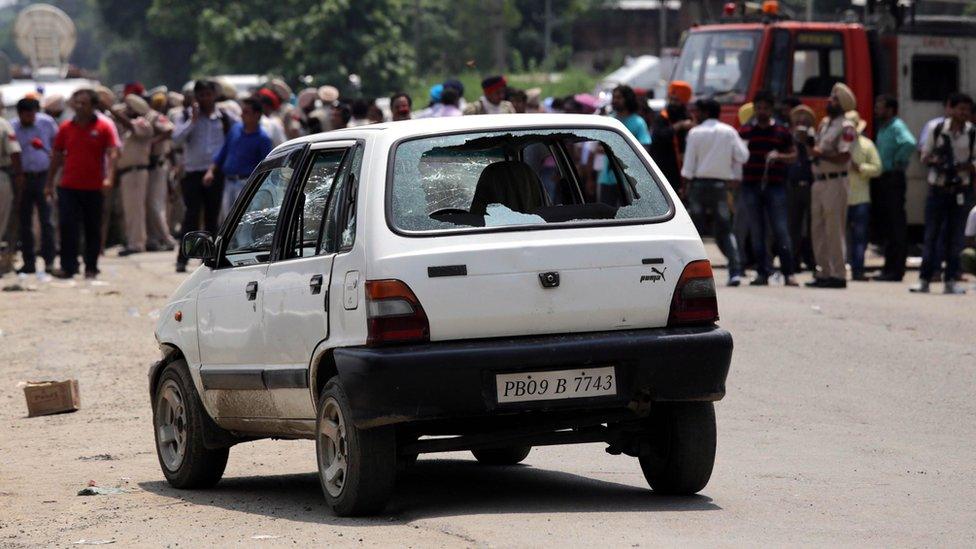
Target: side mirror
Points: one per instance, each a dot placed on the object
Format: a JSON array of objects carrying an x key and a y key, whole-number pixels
[{"x": 198, "y": 245}]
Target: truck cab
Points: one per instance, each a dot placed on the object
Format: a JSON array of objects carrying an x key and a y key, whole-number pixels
[{"x": 920, "y": 61}]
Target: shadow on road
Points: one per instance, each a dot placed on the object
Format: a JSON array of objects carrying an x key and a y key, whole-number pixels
[{"x": 439, "y": 488}]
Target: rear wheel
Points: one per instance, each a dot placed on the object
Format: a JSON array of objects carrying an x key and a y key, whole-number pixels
[
  {"x": 178, "y": 424},
  {"x": 683, "y": 447},
  {"x": 502, "y": 456},
  {"x": 357, "y": 467}
]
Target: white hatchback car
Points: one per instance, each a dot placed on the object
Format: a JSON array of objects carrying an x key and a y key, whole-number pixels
[{"x": 483, "y": 283}]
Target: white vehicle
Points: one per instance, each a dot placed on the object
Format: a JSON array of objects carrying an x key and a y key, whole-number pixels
[
  {"x": 442, "y": 285},
  {"x": 245, "y": 84},
  {"x": 643, "y": 71},
  {"x": 15, "y": 90}
]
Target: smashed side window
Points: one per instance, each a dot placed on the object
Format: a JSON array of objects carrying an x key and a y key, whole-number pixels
[
  {"x": 313, "y": 200},
  {"x": 251, "y": 241},
  {"x": 511, "y": 178}
]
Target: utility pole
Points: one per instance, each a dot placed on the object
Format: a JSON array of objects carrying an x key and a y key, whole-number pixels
[
  {"x": 809, "y": 10},
  {"x": 662, "y": 29},
  {"x": 417, "y": 42},
  {"x": 547, "y": 33},
  {"x": 499, "y": 43}
]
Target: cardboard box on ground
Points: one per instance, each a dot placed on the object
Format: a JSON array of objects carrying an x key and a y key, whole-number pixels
[{"x": 51, "y": 397}]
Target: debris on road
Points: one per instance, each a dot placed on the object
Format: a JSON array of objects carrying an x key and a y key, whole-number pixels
[
  {"x": 98, "y": 457},
  {"x": 265, "y": 536},
  {"x": 51, "y": 397},
  {"x": 100, "y": 491},
  {"x": 18, "y": 288},
  {"x": 94, "y": 541},
  {"x": 93, "y": 489}
]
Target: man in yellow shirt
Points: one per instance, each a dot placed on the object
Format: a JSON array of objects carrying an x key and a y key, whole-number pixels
[{"x": 865, "y": 165}]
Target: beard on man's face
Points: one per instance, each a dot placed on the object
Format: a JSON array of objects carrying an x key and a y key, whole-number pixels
[{"x": 834, "y": 110}]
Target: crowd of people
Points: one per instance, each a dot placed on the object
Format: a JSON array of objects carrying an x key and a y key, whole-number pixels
[
  {"x": 811, "y": 193},
  {"x": 783, "y": 185}
]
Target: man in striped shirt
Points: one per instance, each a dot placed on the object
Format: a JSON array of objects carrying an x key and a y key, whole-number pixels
[{"x": 763, "y": 188}]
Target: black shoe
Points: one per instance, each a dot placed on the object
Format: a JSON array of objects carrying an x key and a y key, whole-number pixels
[
  {"x": 181, "y": 267},
  {"x": 888, "y": 277},
  {"x": 816, "y": 283},
  {"x": 91, "y": 275},
  {"x": 760, "y": 281},
  {"x": 127, "y": 252},
  {"x": 860, "y": 278},
  {"x": 63, "y": 275},
  {"x": 835, "y": 283},
  {"x": 27, "y": 270}
]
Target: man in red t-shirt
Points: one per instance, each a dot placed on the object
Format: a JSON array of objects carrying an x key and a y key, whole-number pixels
[{"x": 84, "y": 147}]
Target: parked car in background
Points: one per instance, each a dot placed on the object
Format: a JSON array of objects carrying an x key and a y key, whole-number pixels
[{"x": 645, "y": 71}]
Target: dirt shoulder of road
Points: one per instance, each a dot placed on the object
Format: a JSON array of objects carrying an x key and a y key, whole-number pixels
[{"x": 848, "y": 420}]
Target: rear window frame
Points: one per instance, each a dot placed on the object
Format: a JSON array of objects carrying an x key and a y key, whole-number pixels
[{"x": 462, "y": 231}]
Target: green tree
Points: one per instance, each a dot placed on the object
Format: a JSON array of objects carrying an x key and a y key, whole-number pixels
[
  {"x": 451, "y": 35},
  {"x": 326, "y": 40},
  {"x": 159, "y": 41}
]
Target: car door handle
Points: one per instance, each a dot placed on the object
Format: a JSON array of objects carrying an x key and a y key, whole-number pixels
[
  {"x": 251, "y": 290},
  {"x": 315, "y": 284}
]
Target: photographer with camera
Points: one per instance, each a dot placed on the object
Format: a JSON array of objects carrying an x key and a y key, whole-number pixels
[{"x": 948, "y": 153}]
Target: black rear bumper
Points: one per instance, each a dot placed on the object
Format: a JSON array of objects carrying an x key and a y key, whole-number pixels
[{"x": 452, "y": 380}]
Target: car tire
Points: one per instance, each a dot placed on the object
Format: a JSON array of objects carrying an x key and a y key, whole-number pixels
[
  {"x": 502, "y": 456},
  {"x": 357, "y": 467},
  {"x": 178, "y": 427},
  {"x": 682, "y": 447}
]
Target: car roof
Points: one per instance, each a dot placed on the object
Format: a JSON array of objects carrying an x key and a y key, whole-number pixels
[{"x": 486, "y": 122}]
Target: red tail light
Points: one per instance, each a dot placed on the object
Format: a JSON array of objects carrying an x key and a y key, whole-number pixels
[
  {"x": 393, "y": 314},
  {"x": 694, "y": 297}
]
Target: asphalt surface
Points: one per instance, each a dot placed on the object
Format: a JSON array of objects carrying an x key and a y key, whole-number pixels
[{"x": 849, "y": 420}]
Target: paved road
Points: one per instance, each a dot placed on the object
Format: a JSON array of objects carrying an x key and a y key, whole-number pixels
[{"x": 849, "y": 420}]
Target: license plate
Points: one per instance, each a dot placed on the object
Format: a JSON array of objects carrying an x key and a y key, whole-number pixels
[{"x": 555, "y": 385}]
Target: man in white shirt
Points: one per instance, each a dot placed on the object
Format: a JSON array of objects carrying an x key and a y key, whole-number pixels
[
  {"x": 712, "y": 156},
  {"x": 929, "y": 126},
  {"x": 949, "y": 154}
]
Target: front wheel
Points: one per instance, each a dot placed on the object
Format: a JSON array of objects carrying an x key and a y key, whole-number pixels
[
  {"x": 683, "y": 447},
  {"x": 357, "y": 467},
  {"x": 502, "y": 456},
  {"x": 178, "y": 423}
]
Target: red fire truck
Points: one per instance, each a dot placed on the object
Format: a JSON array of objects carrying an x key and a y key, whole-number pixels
[{"x": 920, "y": 60}]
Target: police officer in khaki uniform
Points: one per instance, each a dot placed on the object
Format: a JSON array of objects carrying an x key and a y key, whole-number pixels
[
  {"x": 831, "y": 155},
  {"x": 157, "y": 195},
  {"x": 10, "y": 174},
  {"x": 133, "y": 168}
]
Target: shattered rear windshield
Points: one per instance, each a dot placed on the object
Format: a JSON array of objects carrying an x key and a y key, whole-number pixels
[{"x": 527, "y": 177}]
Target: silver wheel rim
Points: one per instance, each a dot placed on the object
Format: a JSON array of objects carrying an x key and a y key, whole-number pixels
[
  {"x": 171, "y": 425},
  {"x": 333, "y": 448}
]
